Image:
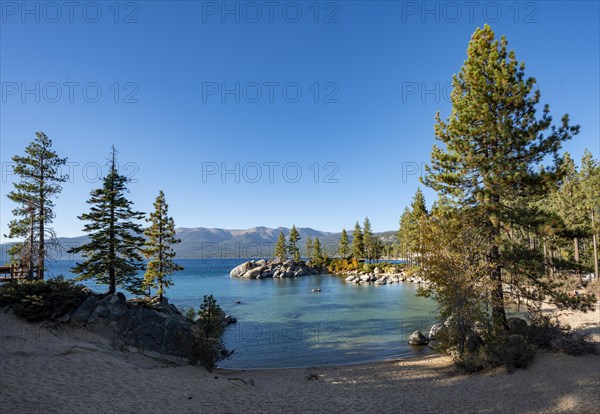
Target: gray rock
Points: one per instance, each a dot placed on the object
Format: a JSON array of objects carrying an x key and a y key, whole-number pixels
[
  {"x": 436, "y": 330},
  {"x": 288, "y": 263},
  {"x": 417, "y": 338},
  {"x": 64, "y": 318},
  {"x": 261, "y": 262},
  {"x": 350, "y": 278},
  {"x": 238, "y": 271},
  {"x": 377, "y": 270},
  {"x": 83, "y": 312}
]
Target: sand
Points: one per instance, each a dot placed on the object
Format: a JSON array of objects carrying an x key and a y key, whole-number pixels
[{"x": 45, "y": 370}]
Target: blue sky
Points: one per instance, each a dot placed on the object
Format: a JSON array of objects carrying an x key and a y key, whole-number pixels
[{"x": 343, "y": 93}]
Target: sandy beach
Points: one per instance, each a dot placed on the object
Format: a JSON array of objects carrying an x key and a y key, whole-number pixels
[{"x": 48, "y": 370}]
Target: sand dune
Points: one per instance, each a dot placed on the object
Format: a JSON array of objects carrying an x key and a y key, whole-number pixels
[{"x": 49, "y": 370}]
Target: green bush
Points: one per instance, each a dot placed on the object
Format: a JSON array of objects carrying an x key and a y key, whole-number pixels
[
  {"x": 510, "y": 350},
  {"x": 190, "y": 313},
  {"x": 38, "y": 300},
  {"x": 207, "y": 346}
]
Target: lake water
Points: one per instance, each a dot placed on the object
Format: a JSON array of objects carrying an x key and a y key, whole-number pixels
[{"x": 281, "y": 323}]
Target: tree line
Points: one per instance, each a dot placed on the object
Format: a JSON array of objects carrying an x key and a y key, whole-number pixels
[
  {"x": 364, "y": 246},
  {"x": 115, "y": 253}
]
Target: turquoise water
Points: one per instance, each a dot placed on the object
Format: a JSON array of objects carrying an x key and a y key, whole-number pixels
[{"x": 281, "y": 323}]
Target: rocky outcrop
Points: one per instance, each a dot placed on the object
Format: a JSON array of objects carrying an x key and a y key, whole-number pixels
[
  {"x": 262, "y": 269},
  {"x": 157, "y": 328}
]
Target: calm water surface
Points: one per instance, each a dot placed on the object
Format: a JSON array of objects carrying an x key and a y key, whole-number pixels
[{"x": 281, "y": 323}]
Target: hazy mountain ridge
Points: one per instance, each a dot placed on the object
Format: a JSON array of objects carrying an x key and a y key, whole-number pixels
[{"x": 202, "y": 242}]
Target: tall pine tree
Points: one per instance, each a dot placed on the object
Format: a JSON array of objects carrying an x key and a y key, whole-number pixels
[
  {"x": 112, "y": 256},
  {"x": 409, "y": 233},
  {"x": 40, "y": 180},
  {"x": 344, "y": 249},
  {"x": 404, "y": 233},
  {"x": 280, "y": 248},
  {"x": 368, "y": 240},
  {"x": 358, "y": 246},
  {"x": 493, "y": 144},
  {"x": 294, "y": 237},
  {"x": 590, "y": 191},
  {"x": 158, "y": 249},
  {"x": 318, "y": 255},
  {"x": 309, "y": 247}
]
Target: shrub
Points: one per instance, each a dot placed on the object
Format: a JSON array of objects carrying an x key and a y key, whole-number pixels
[
  {"x": 547, "y": 333},
  {"x": 510, "y": 350},
  {"x": 571, "y": 343},
  {"x": 38, "y": 300},
  {"x": 190, "y": 313},
  {"x": 207, "y": 346},
  {"x": 342, "y": 265}
]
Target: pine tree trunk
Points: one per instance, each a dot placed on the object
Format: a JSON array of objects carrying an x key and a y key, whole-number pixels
[
  {"x": 31, "y": 244},
  {"x": 42, "y": 218},
  {"x": 545, "y": 259},
  {"x": 498, "y": 311},
  {"x": 576, "y": 253},
  {"x": 595, "y": 243},
  {"x": 112, "y": 277},
  {"x": 41, "y": 253}
]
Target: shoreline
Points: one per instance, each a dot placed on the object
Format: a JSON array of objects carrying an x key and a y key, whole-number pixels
[{"x": 53, "y": 372}]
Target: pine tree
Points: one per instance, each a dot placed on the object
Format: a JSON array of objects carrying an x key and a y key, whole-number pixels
[
  {"x": 158, "y": 247},
  {"x": 293, "y": 249},
  {"x": 368, "y": 240},
  {"x": 280, "y": 248},
  {"x": 344, "y": 249},
  {"x": 418, "y": 210},
  {"x": 567, "y": 202},
  {"x": 590, "y": 193},
  {"x": 112, "y": 255},
  {"x": 493, "y": 146},
  {"x": 317, "y": 255},
  {"x": 309, "y": 247},
  {"x": 404, "y": 236},
  {"x": 40, "y": 180},
  {"x": 358, "y": 246},
  {"x": 208, "y": 347}
]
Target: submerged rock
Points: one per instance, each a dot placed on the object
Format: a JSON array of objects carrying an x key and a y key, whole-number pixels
[{"x": 417, "y": 338}]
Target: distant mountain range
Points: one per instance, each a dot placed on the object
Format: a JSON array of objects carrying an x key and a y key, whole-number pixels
[{"x": 201, "y": 242}]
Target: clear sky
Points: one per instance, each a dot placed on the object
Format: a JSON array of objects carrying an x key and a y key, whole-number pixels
[{"x": 343, "y": 93}]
